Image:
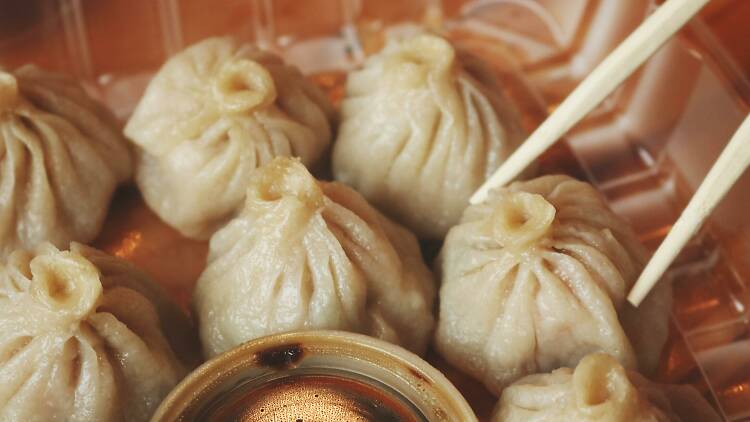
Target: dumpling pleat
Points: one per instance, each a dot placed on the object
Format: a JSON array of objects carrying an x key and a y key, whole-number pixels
[
  {"x": 604, "y": 273},
  {"x": 147, "y": 375},
  {"x": 591, "y": 321},
  {"x": 96, "y": 393},
  {"x": 508, "y": 353},
  {"x": 25, "y": 402},
  {"x": 19, "y": 370},
  {"x": 36, "y": 208}
]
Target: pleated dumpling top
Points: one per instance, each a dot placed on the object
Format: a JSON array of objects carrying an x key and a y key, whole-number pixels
[
  {"x": 61, "y": 158},
  {"x": 211, "y": 115}
]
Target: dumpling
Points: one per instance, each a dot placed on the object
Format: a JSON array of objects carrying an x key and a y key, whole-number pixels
[
  {"x": 86, "y": 337},
  {"x": 305, "y": 255},
  {"x": 599, "y": 389},
  {"x": 422, "y": 126},
  {"x": 61, "y": 158},
  {"x": 211, "y": 115},
  {"x": 536, "y": 277}
]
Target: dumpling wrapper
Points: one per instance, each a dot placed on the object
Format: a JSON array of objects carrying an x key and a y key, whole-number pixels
[
  {"x": 61, "y": 159},
  {"x": 304, "y": 255},
  {"x": 536, "y": 277},
  {"x": 422, "y": 127},
  {"x": 84, "y": 336},
  {"x": 211, "y": 115},
  {"x": 599, "y": 390}
]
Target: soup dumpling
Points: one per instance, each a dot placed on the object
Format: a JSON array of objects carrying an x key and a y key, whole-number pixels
[
  {"x": 599, "y": 389},
  {"x": 84, "y": 336},
  {"x": 211, "y": 115},
  {"x": 304, "y": 255},
  {"x": 423, "y": 125},
  {"x": 536, "y": 277},
  {"x": 61, "y": 159}
]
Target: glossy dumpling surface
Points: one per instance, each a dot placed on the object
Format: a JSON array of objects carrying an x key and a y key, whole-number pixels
[
  {"x": 422, "y": 126},
  {"x": 305, "y": 255},
  {"x": 212, "y": 114},
  {"x": 599, "y": 389},
  {"x": 84, "y": 336},
  {"x": 61, "y": 158},
  {"x": 536, "y": 277}
]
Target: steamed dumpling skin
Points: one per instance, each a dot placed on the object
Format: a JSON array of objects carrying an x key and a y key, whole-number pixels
[
  {"x": 599, "y": 389},
  {"x": 536, "y": 277},
  {"x": 423, "y": 125},
  {"x": 84, "y": 336},
  {"x": 211, "y": 115},
  {"x": 61, "y": 159},
  {"x": 304, "y": 255}
]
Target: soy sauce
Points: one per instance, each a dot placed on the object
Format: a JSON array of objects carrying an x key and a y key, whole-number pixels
[{"x": 313, "y": 398}]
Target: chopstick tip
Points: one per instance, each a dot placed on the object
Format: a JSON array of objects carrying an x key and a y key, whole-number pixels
[{"x": 635, "y": 298}]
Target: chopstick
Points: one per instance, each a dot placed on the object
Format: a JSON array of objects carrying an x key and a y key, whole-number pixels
[
  {"x": 607, "y": 76},
  {"x": 732, "y": 162}
]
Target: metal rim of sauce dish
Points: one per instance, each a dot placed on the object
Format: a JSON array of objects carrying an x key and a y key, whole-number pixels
[{"x": 316, "y": 375}]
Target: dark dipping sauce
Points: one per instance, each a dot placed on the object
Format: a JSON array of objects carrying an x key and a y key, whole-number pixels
[{"x": 313, "y": 398}]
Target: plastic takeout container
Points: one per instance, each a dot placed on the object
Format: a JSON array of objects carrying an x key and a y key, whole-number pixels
[{"x": 647, "y": 147}]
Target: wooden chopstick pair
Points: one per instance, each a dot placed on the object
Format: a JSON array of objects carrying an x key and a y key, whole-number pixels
[{"x": 621, "y": 63}]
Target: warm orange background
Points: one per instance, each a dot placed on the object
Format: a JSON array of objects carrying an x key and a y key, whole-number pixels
[
  {"x": 23, "y": 37},
  {"x": 730, "y": 21}
]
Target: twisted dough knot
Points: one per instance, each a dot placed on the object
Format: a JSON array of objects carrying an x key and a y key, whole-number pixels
[
  {"x": 8, "y": 91},
  {"x": 243, "y": 85},
  {"x": 66, "y": 283},
  {"x": 521, "y": 218}
]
